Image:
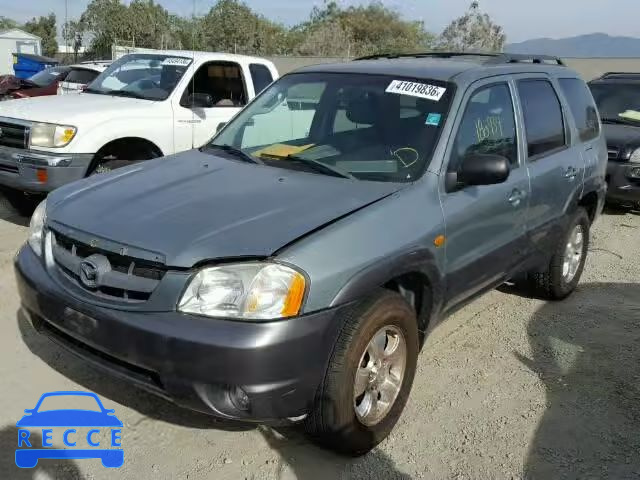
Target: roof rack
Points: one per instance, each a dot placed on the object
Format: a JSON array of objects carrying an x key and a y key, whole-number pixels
[{"x": 488, "y": 58}]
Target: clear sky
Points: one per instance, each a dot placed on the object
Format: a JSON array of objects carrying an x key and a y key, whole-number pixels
[{"x": 521, "y": 19}]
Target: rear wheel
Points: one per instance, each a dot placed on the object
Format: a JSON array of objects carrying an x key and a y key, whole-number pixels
[
  {"x": 563, "y": 273},
  {"x": 369, "y": 377}
]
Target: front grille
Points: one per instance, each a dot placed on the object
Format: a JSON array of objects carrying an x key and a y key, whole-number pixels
[
  {"x": 613, "y": 153},
  {"x": 13, "y": 135},
  {"x": 127, "y": 278}
]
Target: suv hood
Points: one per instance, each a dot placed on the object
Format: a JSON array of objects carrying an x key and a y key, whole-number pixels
[
  {"x": 66, "y": 109},
  {"x": 622, "y": 135},
  {"x": 194, "y": 206}
]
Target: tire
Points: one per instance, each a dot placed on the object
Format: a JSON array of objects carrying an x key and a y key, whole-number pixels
[
  {"x": 333, "y": 421},
  {"x": 21, "y": 203},
  {"x": 110, "y": 165},
  {"x": 554, "y": 283}
]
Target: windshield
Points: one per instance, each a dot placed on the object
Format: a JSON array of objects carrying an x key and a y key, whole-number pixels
[
  {"x": 615, "y": 99},
  {"x": 146, "y": 76},
  {"x": 48, "y": 76},
  {"x": 368, "y": 127}
]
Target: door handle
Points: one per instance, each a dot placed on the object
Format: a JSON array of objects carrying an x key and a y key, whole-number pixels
[
  {"x": 516, "y": 197},
  {"x": 570, "y": 173}
]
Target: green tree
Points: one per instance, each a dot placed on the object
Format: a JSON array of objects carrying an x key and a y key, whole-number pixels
[
  {"x": 474, "y": 31},
  {"x": 108, "y": 22},
  {"x": 231, "y": 26},
  {"x": 45, "y": 28},
  {"x": 7, "y": 23}
]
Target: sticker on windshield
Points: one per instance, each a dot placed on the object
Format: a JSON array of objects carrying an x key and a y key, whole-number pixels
[
  {"x": 414, "y": 89},
  {"x": 177, "y": 61},
  {"x": 434, "y": 119}
]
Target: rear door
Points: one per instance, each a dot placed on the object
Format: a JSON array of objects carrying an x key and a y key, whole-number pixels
[
  {"x": 554, "y": 160},
  {"x": 586, "y": 123},
  {"x": 485, "y": 225}
]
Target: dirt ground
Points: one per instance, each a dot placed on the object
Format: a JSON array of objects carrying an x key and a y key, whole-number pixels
[{"x": 508, "y": 388}]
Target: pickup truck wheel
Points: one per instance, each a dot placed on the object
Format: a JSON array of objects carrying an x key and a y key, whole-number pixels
[
  {"x": 562, "y": 275},
  {"x": 109, "y": 166},
  {"x": 369, "y": 376}
]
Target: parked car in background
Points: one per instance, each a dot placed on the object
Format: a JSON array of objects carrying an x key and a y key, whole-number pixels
[
  {"x": 42, "y": 83},
  {"x": 143, "y": 106},
  {"x": 618, "y": 99},
  {"x": 80, "y": 76},
  {"x": 292, "y": 267}
]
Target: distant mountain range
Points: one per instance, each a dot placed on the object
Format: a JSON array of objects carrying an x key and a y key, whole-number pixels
[{"x": 583, "y": 46}]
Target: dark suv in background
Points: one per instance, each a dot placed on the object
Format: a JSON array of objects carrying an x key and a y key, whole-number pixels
[
  {"x": 293, "y": 266},
  {"x": 618, "y": 97}
]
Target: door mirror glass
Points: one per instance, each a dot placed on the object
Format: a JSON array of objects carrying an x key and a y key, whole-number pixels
[
  {"x": 200, "y": 100},
  {"x": 483, "y": 169}
]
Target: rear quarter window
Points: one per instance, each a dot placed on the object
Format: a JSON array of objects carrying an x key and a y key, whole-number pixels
[
  {"x": 81, "y": 76},
  {"x": 582, "y": 107},
  {"x": 261, "y": 77}
]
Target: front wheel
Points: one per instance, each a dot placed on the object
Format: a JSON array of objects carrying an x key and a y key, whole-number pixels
[{"x": 369, "y": 377}]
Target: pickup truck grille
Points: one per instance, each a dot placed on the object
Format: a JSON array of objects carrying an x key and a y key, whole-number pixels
[
  {"x": 117, "y": 277},
  {"x": 14, "y": 135}
]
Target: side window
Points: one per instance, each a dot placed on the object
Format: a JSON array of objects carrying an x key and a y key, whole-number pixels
[
  {"x": 222, "y": 80},
  {"x": 261, "y": 77},
  {"x": 582, "y": 107},
  {"x": 488, "y": 127},
  {"x": 543, "y": 119}
]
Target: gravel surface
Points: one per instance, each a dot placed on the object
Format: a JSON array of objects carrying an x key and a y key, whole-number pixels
[{"x": 507, "y": 388}]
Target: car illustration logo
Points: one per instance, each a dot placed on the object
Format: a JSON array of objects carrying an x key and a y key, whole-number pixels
[
  {"x": 88, "y": 274},
  {"x": 70, "y": 423}
]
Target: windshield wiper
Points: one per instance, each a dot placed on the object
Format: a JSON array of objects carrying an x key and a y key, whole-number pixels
[
  {"x": 620, "y": 121},
  {"x": 125, "y": 93},
  {"x": 233, "y": 151},
  {"x": 94, "y": 90},
  {"x": 320, "y": 167}
]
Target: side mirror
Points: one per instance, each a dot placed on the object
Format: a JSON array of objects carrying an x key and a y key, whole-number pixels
[
  {"x": 200, "y": 100},
  {"x": 483, "y": 169}
]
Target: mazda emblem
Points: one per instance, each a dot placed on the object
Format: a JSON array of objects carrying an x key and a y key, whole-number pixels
[{"x": 88, "y": 274}]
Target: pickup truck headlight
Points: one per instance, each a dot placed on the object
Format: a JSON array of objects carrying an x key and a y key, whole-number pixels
[
  {"x": 36, "y": 227},
  {"x": 635, "y": 156},
  {"x": 50, "y": 135},
  {"x": 249, "y": 291}
]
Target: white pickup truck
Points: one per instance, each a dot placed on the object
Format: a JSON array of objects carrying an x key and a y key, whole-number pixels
[{"x": 144, "y": 105}]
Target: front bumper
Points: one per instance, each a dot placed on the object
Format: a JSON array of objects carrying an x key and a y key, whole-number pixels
[
  {"x": 190, "y": 360},
  {"x": 624, "y": 181},
  {"x": 40, "y": 172}
]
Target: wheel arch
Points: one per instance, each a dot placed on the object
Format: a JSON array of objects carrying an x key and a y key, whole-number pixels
[
  {"x": 414, "y": 275},
  {"x": 125, "y": 145}
]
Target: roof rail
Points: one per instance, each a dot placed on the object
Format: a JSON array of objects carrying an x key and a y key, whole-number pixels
[
  {"x": 620, "y": 75},
  {"x": 487, "y": 58}
]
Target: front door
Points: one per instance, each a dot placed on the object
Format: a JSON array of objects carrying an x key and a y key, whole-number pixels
[
  {"x": 485, "y": 225},
  {"x": 224, "y": 83}
]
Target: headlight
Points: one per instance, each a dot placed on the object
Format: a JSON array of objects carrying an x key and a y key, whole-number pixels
[
  {"x": 251, "y": 291},
  {"x": 50, "y": 135},
  {"x": 36, "y": 227},
  {"x": 635, "y": 156}
]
